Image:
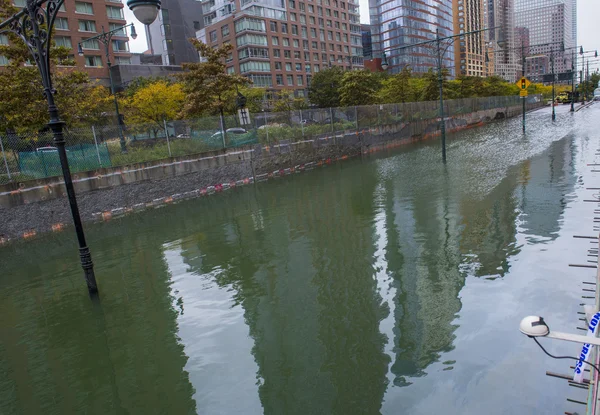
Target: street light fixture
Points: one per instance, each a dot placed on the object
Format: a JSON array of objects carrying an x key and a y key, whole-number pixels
[
  {"x": 34, "y": 25},
  {"x": 105, "y": 38},
  {"x": 384, "y": 62}
]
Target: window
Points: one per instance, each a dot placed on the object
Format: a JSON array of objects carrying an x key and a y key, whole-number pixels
[
  {"x": 91, "y": 44},
  {"x": 304, "y": 32},
  {"x": 197, "y": 25},
  {"x": 253, "y": 53},
  {"x": 302, "y": 7},
  {"x": 165, "y": 30},
  {"x": 313, "y": 32},
  {"x": 284, "y": 28},
  {"x": 296, "y": 54},
  {"x": 114, "y": 12},
  {"x": 61, "y": 41},
  {"x": 299, "y": 80},
  {"x": 329, "y": 35},
  {"x": 305, "y": 44},
  {"x": 336, "y": 25},
  {"x": 290, "y": 80},
  {"x": 338, "y": 37},
  {"x": 294, "y": 29},
  {"x": 120, "y": 32},
  {"x": 286, "y": 41},
  {"x": 93, "y": 61},
  {"x": 278, "y": 66},
  {"x": 292, "y": 4},
  {"x": 248, "y": 23},
  {"x": 317, "y": 68},
  {"x": 61, "y": 23},
  {"x": 276, "y": 53},
  {"x": 121, "y": 60},
  {"x": 279, "y": 79},
  {"x": 306, "y": 56},
  {"x": 316, "y": 57},
  {"x": 275, "y": 41},
  {"x": 303, "y": 18},
  {"x": 288, "y": 67},
  {"x": 293, "y": 17},
  {"x": 3, "y": 60},
  {"x": 87, "y": 26},
  {"x": 230, "y": 70},
  {"x": 229, "y": 57},
  {"x": 296, "y": 43},
  {"x": 314, "y": 45},
  {"x": 298, "y": 67},
  {"x": 225, "y": 30},
  {"x": 20, "y": 3},
  {"x": 287, "y": 54},
  {"x": 213, "y": 36},
  {"x": 251, "y": 39},
  {"x": 261, "y": 80},
  {"x": 84, "y": 8},
  {"x": 3, "y": 39},
  {"x": 311, "y": 19},
  {"x": 120, "y": 46},
  {"x": 311, "y": 9},
  {"x": 328, "y": 12},
  {"x": 273, "y": 26},
  {"x": 255, "y": 66}
]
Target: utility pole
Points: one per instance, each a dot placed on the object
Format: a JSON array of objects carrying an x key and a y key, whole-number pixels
[
  {"x": 523, "y": 74},
  {"x": 573, "y": 66},
  {"x": 441, "y": 86},
  {"x": 553, "y": 76}
]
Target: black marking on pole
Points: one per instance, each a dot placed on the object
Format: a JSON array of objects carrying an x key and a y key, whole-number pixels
[
  {"x": 575, "y": 385},
  {"x": 576, "y": 401},
  {"x": 584, "y": 296},
  {"x": 582, "y": 266},
  {"x": 588, "y": 282},
  {"x": 587, "y": 289},
  {"x": 573, "y": 367},
  {"x": 590, "y": 200},
  {"x": 585, "y": 237},
  {"x": 581, "y": 328}
]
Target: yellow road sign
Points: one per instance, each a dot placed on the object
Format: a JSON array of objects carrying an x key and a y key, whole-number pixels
[
  {"x": 523, "y": 93},
  {"x": 523, "y": 83}
]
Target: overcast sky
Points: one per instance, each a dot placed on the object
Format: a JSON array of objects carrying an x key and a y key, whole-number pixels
[{"x": 588, "y": 31}]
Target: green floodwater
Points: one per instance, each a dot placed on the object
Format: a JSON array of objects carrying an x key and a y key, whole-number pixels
[{"x": 389, "y": 284}]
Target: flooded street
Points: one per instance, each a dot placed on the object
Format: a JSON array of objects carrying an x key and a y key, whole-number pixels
[{"x": 390, "y": 284}]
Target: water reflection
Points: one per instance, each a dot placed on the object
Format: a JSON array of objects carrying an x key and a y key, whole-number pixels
[{"x": 326, "y": 292}]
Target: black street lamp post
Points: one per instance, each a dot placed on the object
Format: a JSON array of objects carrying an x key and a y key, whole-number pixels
[
  {"x": 33, "y": 24},
  {"x": 106, "y": 38}
]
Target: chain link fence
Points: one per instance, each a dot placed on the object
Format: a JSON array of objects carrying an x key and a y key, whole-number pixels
[{"x": 33, "y": 156}]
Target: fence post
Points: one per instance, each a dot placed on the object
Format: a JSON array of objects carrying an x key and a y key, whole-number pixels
[
  {"x": 356, "y": 117},
  {"x": 96, "y": 143},
  {"x": 4, "y": 157},
  {"x": 167, "y": 135},
  {"x": 222, "y": 130},
  {"x": 301, "y": 123},
  {"x": 266, "y": 127}
]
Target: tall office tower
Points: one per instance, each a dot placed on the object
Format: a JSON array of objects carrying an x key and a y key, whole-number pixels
[
  {"x": 279, "y": 44},
  {"x": 499, "y": 18},
  {"x": 551, "y": 27},
  {"x": 168, "y": 36},
  {"x": 469, "y": 51},
  {"x": 399, "y": 23},
  {"x": 79, "y": 20}
]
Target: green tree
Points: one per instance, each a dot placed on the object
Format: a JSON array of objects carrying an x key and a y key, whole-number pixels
[
  {"x": 431, "y": 90},
  {"x": 397, "y": 88},
  {"x": 23, "y": 105},
  {"x": 324, "y": 87},
  {"x": 359, "y": 88},
  {"x": 285, "y": 102},
  {"x": 207, "y": 86}
]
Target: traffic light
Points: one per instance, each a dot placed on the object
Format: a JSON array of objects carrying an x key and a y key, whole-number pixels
[{"x": 523, "y": 84}]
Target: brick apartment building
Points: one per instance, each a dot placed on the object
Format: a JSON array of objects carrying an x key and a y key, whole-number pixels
[
  {"x": 280, "y": 44},
  {"x": 78, "y": 20}
]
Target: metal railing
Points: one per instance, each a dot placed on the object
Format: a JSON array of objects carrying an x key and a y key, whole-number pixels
[{"x": 33, "y": 156}]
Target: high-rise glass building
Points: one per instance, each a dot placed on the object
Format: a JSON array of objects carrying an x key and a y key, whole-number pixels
[
  {"x": 499, "y": 18},
  {"x": 552, "y": 26},
  {"x": 399, "y": 23},
  {"x": 469, "y": 51}
]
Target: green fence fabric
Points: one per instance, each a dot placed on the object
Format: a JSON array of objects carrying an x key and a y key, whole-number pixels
[{"x": 45, "y": 162}]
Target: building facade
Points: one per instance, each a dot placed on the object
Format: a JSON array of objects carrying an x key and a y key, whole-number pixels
[
  {"x": 399, "y": 23},
  {"x": 80, "y": 20},
  {"x": 499, "y": 18},
  {"x": 469, "y": 51},
  {"x": 551, "y": 29},
  {"x": 280, "y": 44},
  {"x": 168, "y": 36}
]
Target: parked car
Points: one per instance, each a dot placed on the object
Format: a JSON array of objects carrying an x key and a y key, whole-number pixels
[
  {"x": 272, "y": 125},
  {"x": 235, "y": 130},
  {"x": 183, "y": 136}
]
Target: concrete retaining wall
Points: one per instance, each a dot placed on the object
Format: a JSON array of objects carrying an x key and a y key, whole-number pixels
[{"x": 29, "y": 208}]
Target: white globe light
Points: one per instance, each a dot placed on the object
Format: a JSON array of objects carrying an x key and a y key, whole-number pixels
[{"x": 145, "y": 13}]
